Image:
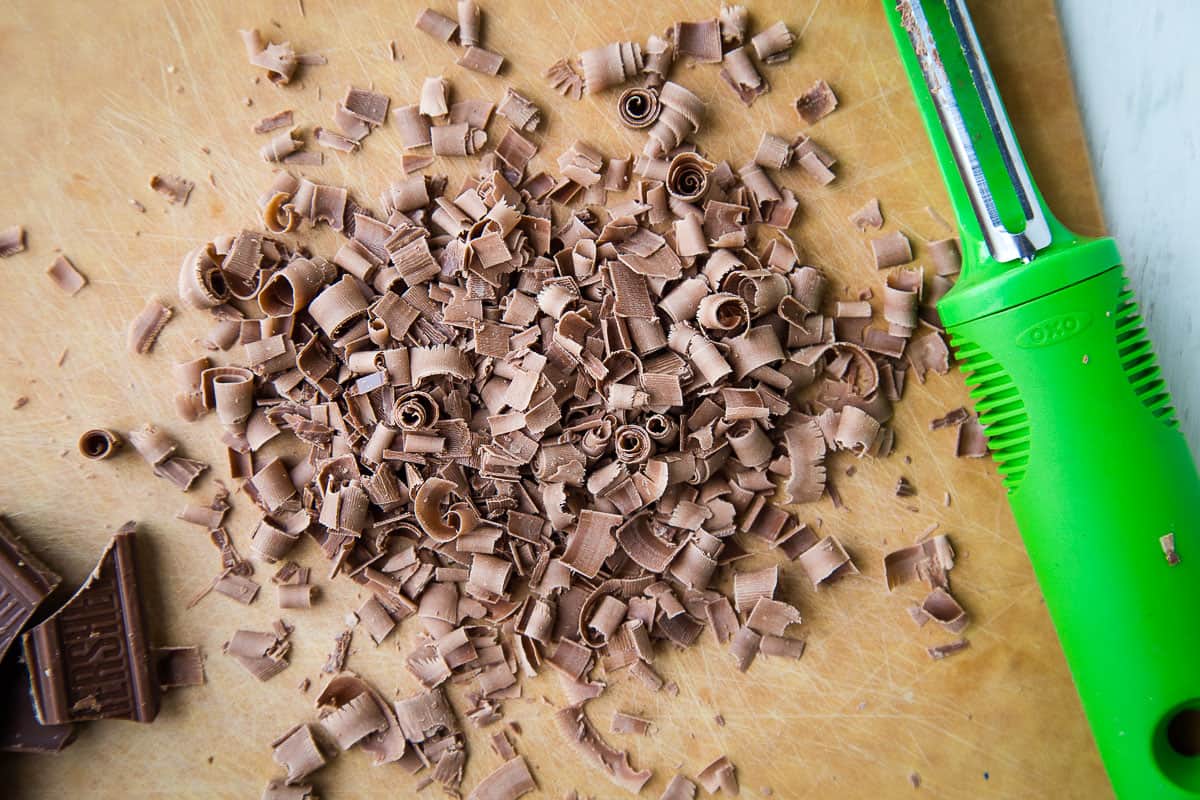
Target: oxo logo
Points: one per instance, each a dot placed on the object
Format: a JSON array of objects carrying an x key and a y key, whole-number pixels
[{"x": 1053, "y": 330}]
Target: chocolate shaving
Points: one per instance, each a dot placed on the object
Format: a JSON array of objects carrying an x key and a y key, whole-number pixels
[
  {"x": 297, "y": 751},
  {"x": 1167, "y": 542},
  {"x": 972, "y": 439},
  {"x": 946, "y": 650},
  {"x": 698, "y": 40},
  {"x": 825, "y": 561},
  {"x": 638, "y": 107},
  {"x": 603, "y": 67},
  {"x": 519, "y": 110},
  {"x": 944, "y": 609},
  {"x": 719, "y": 776},
  {"x": 579, "y": 731},
  {"x": 264, "y": 655},
  {"x": 99, "y": 443},
  {"x": 281, "y": 119},
  {"x": 869, "y": 216},
  {"x": 65, "y": 276},
  {"x": 891, "y": 250},
  {"x": 12, "y": 241},
  {"x": 337, "y": 657},
  {"x": 929, "y": 561},
  {"x": 773, "y": 45},
  {"x": 439, "y": 26},
  {"x": 509, "y": 781},
  {"x": 743, "y": 77},
  {"x": 147, "y": 325},
  {"x": 564, "y": 79},
  {"x": 279, "y": 60},
  {"x": 816, "y": 103},
  {"x": 172, "y": 187}
]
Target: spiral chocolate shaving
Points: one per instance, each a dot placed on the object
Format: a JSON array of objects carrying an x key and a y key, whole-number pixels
[
  {"x": 661, "y": 428},
  {"x": 687, "y": 177},
  {"x": 633, "y": 444},
  {"x": 723, "y": 312},
  {"x": 201, "y": 284},
  {"x": 638, "y": 107},
  {"x": 415, "y": 411}
]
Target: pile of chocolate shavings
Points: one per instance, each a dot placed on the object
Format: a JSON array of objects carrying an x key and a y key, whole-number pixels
[{"x": 542, "y": 413}]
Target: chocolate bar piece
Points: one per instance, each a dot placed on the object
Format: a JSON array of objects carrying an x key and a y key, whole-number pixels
[
  {"x": 24, "y": 583},
  {"x": 91, "y": 659},
  {"x": 20, "y": 731}
]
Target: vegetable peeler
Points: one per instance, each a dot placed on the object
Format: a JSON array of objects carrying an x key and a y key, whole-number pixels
[{"x": 1078, "y": 419}]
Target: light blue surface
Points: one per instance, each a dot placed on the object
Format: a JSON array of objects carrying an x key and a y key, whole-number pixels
[{"x": 1136, "y": 65}]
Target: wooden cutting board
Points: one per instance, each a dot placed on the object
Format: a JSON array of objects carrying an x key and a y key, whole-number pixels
[{"x": 100, "y": 96}]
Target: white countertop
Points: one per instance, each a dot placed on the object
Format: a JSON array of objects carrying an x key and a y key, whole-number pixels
[{"x": 1137, "y": 73}]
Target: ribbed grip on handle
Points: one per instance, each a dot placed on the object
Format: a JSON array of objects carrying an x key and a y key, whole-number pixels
[{"x": 1081, "y": 426}]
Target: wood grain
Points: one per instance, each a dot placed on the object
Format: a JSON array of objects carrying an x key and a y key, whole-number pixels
[{"x": 103, "y": 96}]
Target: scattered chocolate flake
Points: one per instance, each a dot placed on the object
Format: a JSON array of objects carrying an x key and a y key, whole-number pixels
[
  {"x": 946, "y": 257},
  {"x": 279, "y": 789},
  {"x": 158, "y": 450},
  {"x": 519, "y": 110},
  {"x": 735, "y": 20},
  {"x": 65, "y": 276},
  {"x": 891, "y": 250},
  {"x": 773, "y": 45},
  {"x": 826, "y": 560},
  {"x": 147, "y": 325},
  {"x": 282, "y": 119},
  {"x": 740, "y": 74},
  {"x": 698, "y": 40},
  {"x": 904, "y": 488},
  {"x": 565, "y": 79},
  {"x": 20, "y": 403},
  {"x": 972, "y": 439},
  {"x": 928, "y": 561},
  {"x": 680, "y": 788},
  {"x": 816, "y": 103},
  {"x": 509, "y": 781},
  {"x": 1167, "y": 542},
  {"x": 941, "y": 607},
  {"x": 868, "y": 217},
  {"x": 627, "y": 723},
  {"x": 439, "y": 26},
  {"x": 579, "y": 731},
  {"x": 469, "y": 23},
  {"x": 945, "y": 650},
  {"x": 297, "y": 752},
  {"x": 12, "y": 241},
  {"x": 279, "y": 60},
  {"x": 173, "y": 187},
  {"x": 337, "y": 657},
  {"x": 720, "y": 775},
  {"x": 603, "y": 67},
  {"x": 952, "y": 419},
  {"x": 477, "y": 59},
  {"x": 264, "y": 655}
]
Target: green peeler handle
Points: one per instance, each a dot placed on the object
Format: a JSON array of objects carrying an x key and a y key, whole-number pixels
[{"x": 1080, "y": 423}]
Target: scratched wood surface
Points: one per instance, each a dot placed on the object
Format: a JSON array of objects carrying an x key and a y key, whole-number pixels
[{"x": 102, "y": 95}]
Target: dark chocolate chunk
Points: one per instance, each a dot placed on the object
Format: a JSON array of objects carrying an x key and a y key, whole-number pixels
[
  {"x": 20, "y": 731},
  {"x": 24, "y": 583}
]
